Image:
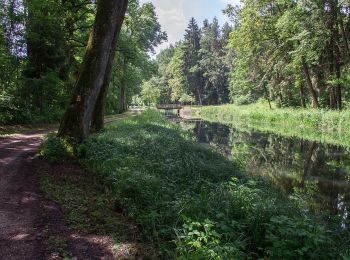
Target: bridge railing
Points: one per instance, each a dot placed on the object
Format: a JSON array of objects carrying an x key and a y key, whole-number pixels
[{"x": 169, "y": 106}]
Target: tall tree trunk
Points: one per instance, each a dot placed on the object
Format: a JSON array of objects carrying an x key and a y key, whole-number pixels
[
  {"x": 345, "y": 37},
  {"x": 309, "y": 84},
  {"x": 332, "y": 98},
  {"x": 337, "y": 56},
  {"x": 93, "y": 72},
  {"x": 338, "y": 89},
  {"x": 267, "y": 95},
  {"x": 199, "y": 96},
  {"x": 335, "y": 70},
  {"x": 97, "y": 120},
  {"x": 318, "y": 85},
  {"x": 302, "y": 96}
]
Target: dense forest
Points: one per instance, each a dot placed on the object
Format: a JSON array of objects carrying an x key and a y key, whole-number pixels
[
  {"x": 42, "y": 44},
  {"x": 196, "y": 69},
  {"x": 295, "y": 53}
]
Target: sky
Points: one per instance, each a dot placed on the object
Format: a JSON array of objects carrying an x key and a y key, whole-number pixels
[{"x": 174, "y": 15}]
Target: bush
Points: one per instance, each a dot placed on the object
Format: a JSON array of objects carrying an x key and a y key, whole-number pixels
[
  {"x": 243, "y": 100},
  {"x": 55, "y": 149},
  {"x": 298, "y": 238}
]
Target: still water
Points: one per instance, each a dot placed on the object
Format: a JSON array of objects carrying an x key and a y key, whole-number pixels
[{"x": 315, "y": 175}]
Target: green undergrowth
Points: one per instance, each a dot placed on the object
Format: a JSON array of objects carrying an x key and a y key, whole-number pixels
[
  {"x": 195, "y": 204},
  {"x": 56, "y": 149},
  {"x": 92, "y": 209},
  {"x": 324, "y": 126}
]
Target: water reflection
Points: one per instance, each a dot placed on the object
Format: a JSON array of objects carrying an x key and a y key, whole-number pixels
[{"x": 315, "y": 175}]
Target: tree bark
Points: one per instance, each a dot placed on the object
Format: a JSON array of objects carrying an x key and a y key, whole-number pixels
[
  {"x": 345, "y": 38},
  {"x": 199, "y": 96},
  {"x": 97, "y": 121},
  {"x": 336, "y": 38},
  {"x": 335, "y": 69},
  {"x": 318, "y": 86},
  {"x": 93, "y": 72},
  {"x": 309, "y": 84}
]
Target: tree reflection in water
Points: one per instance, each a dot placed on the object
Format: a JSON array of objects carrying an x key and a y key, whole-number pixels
[{"x": 316, "y": 176}]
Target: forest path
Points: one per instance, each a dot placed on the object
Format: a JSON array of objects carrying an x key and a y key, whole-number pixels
[
  {"x": 20, "y": 198},
  {"x": 31, "y": 227}
]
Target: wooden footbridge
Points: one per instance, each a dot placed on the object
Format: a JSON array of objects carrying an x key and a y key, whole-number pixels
[{"x": 170, "y": 107}]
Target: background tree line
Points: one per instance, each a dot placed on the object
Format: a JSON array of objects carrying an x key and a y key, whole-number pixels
[
  {"x": 295, "y": 53},
  {"x": 42, "y": 44},
  {"x": 194, "y": 70}
]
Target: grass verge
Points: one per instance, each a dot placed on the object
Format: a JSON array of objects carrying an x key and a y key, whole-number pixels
[
  {"x": 324, "y": 126},
  {"x": 92, "y": 210},
  {"x": 195, "y": 204}
]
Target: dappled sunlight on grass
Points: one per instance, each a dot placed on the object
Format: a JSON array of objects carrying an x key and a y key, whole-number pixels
[{"x": 191, "y": 201}]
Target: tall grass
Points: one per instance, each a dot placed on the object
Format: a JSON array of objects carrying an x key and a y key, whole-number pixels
[
  {"x": 195, "y": 204},
  {"x": 319, "y": 125}
]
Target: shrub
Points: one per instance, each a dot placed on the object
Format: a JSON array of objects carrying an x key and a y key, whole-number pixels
[
  {"x": 55, "y": 149},
  {"x": 243, "y": 100},
  {"x": 298, "y": 238}
]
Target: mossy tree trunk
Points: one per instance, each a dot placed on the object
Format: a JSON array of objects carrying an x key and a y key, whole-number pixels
[
  {"x": 95, "y": 70},
  {"x": 97, "y": 121}
]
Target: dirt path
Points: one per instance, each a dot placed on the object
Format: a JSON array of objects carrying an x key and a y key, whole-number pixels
[
  {"x": 20, "y": 199},
  {"x": 34, "y": 228},
  {"x": 27, "y": 220}
]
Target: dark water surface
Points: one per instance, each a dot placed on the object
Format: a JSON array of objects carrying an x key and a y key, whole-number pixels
[{"x": 315, "y": 175}]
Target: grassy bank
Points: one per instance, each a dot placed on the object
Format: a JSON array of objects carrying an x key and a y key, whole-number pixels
[
  {"x": 194, "y": 204},
  {"x": 318, "y": 125}
]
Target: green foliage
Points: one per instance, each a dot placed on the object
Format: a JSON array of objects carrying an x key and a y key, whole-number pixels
[
  {"x": 140, "y": 34},
  {"x": 197, "y": 66},
  {"x": 55, "y": 149},
  {"x": 189, "y": 200},
  {"x": 289, "y": 51},
  {"x": 297, "y": 238},
  {"x": 242, "y": 100},
  {"x": 91, "y": 208},
  {"x": 39, "y": 56},
  {"x": 213, "y": 63},
  {"x": 191, "y": 57},
  {"x": 201, "y": 241},
  {"x": 150, "y": 92},
  {"x": 186, "y": 99},
  {"x": 175, "y": 73}
]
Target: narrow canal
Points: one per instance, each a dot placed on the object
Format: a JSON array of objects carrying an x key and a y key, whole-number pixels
[{"x": 316, "y": 176}]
